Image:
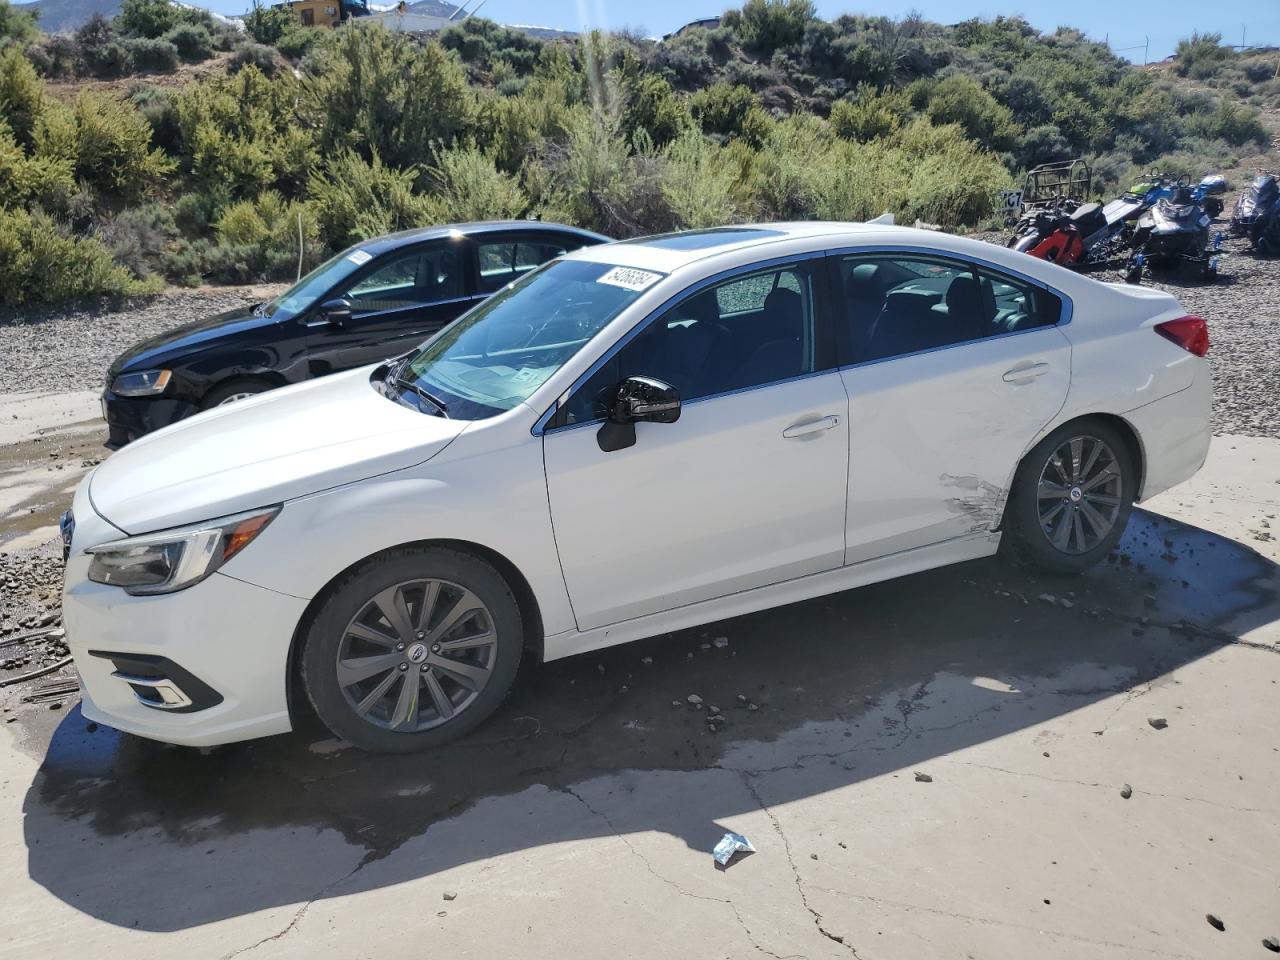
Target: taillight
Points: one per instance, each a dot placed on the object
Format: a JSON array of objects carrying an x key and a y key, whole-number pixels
[{"x": 1190, "y": 333}]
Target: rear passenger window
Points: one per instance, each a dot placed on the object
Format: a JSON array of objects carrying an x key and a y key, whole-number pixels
[
  {"x": 505, "y": 260},
  {"x": 744, "y": 333},
  {"x": 899, "y": 305}
]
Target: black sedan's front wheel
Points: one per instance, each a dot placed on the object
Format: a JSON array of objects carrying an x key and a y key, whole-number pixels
[
  {"x": 1072, "y": 496},
  {"x": 413, "y": 650}
]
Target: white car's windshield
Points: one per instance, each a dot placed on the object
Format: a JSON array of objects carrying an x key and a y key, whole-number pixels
[
  {"x": 495, "y": 356},
  {"x": 303, "y": 294}
]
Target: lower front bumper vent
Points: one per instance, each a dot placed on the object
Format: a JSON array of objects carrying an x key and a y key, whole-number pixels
[{"x": 159, "y": 683}]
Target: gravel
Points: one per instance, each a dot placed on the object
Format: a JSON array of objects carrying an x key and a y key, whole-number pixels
[{"x": 72, "y": 346}]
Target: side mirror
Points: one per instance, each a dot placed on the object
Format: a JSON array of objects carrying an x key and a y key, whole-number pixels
[
  {"x": 336, "y": 312},
  {"x": 637, "y": 399}
]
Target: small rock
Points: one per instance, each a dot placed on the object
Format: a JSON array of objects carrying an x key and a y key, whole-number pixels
[
  {"x": 1126, "y": 791},
  {"x": 753, "y": 707},
  {"x": 813, "y": 856},
  {"x": 451, "y": 895},
  {"x": 1158, "y": 722},
  {"x": 1272, "y": 944},
  {"x": 676, "y": 703},
  {"x": 841, "y": 845},
  {"x": 742, "y": 699},
  {"x": 695, "y": 699},
  {"x": 923, "y": 777},
  {"x": 1066, "y": 604},
  {"x": 1048, "y": 598},
  {"x": 91, "y": 727},
  {"x": 721, "y": 642},
  {"x": 55, "y": 705},
  {"x": 1215, "y": 921},
  {"x": 712, "y": 708},
  {"x": 646, "y": 660}
]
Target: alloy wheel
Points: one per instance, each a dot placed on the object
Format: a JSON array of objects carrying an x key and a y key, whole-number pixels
[
  {"x": 1079, "y": 494},
  {"x": 416, "y": 655},
  {"x": 237, "y": 396}
]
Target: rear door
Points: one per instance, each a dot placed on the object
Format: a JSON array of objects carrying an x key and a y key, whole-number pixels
[
  {"x": 952, "y": 369},
  {"x": 397, "y": 301}
]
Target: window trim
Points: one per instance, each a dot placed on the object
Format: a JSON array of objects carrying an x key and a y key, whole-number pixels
[
  {"x": 823, "y": 330},
  {"x": 844, "y": 348}
]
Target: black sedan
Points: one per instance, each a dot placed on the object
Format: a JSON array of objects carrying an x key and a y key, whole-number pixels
[{"x": 375, "y": 300}]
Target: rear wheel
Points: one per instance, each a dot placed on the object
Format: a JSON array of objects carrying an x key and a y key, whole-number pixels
[
  {"x": 1072, "y": 497},
  {"x": 414, "y": 650}
]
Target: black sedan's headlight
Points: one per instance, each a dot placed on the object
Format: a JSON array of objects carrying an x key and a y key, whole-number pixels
[
  {"x": 175, "y": 559},
  {"x": 143, "y": 383}
]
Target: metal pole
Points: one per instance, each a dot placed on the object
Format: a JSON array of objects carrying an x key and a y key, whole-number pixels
[{"x": 1146, "y": 46}]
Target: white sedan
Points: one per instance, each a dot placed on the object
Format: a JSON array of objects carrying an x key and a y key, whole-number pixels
[{"x": 636, "y": 438}]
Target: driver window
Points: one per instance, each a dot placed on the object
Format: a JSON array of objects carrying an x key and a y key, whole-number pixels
[
  {"x": 746, "y": 332},
  {"x": 410, "y": 278}
]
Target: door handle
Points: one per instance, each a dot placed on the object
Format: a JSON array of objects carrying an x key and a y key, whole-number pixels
[
  {"x": 1026, "y": 373},
  {"x": 810, "y": 427}
]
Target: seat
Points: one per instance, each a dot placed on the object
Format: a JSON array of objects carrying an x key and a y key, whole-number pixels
[
  {"x": 907, "y": 323},
  {"x": 967, "y": 310},
  {"x": 864, "y": 291},
  {"x": 782, "y": 355}
]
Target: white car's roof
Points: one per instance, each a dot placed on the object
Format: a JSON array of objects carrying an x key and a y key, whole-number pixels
[{"x": 720, "y": 248}]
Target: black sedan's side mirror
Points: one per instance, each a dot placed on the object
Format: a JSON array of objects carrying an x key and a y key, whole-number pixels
[
  {"x": 336, "y": 312},
  {"x": 638, "y": 398}
]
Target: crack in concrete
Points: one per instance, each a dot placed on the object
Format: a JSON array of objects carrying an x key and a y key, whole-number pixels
[
  {"x": 795, "y": 871},
  {"x": 672, "y": 883},
  {"x": 1109, "y": 786},
  {"x": 302, "y": 910},
  {"x": 1005, "y": 924}
]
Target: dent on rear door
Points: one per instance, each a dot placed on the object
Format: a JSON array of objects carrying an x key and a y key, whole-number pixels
[{"x": 935, "y": 438}]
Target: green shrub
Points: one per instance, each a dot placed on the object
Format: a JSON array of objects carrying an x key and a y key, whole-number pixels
[
  {"x": 21, "y": 95},
  {"x": 194, "y": 43},
  {"x": 1201, "y": 56},
  {"x": 376, "y": 92},
  {"x": 699, "y": 183},
  {"x": 354, "y": 199},
  {"x": 871, "y": 116},
  {"x": 113, "y": 152},
  {"x": 40, "y": 264},
  {"x": 766, "y": 25},
  {"x": 1230, "y": 122},
  {"x": 264, "y": 235},
  {"x": 256, "y": 55},
  {"x": 651, "y": 105},
  {"x": 160, "y": 56},
  {"x": 722, "y": 109},
  {"x": 466, "y": 185},
  {"x": 297, "y": 41},
  {"x": 157, "y": 106},
  {"x": 267, "y": 24},
  {"x": 146, "y": 18},
  {"x": 17, "y": 25},
  {"x": 960, "y": 99},
  {"x": 43, "y": 181},
  {"x": 139, "y": 238}
]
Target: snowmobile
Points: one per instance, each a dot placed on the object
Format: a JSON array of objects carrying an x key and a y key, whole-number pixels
[
  {"x": 1257, "y": 215},
  {"x": 1174, "y": 232}
]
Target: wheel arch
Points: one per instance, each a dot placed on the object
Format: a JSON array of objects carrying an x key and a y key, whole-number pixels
[
  {"x": 530, "y": 611},
  {"x": 248, "y": 376},
  {"x": 1133, "y": 444}
]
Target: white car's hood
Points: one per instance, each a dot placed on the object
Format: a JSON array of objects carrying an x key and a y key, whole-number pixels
[{"x": 284, "y": 444}]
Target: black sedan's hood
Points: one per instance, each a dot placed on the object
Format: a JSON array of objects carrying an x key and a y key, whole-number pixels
[{"x": 185, "y": 338}]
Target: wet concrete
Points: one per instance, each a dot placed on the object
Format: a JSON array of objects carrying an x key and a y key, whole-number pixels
[{"x": 850, "y": 688}]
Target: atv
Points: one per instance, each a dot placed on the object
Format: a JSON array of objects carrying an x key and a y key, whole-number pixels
[{"x": 1257, "y": 215}]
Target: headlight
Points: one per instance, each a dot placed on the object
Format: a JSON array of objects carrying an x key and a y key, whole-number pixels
[
  {"x": 175, "y": 559},
  {"x": 144, "y": 383}
]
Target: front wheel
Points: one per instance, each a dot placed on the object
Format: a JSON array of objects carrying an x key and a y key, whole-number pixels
[
  {"x": 1072, "y": 496},
  {"x": 413, "y": 650}
]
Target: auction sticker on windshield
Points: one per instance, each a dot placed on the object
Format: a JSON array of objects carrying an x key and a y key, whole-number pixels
[
  {"x": 359, "y": 257},
  {"x": 629, "y": 278}
]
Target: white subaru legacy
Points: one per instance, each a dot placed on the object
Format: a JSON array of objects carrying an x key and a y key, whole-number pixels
[{"x": 635, "y": 438}]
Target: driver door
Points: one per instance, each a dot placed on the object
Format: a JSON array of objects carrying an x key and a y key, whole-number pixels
[
  {"x": 746, "y": 489},
  {"x": 396, "y": 303}
]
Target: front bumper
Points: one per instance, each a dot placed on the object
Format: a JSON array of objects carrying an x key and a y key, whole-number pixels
[
  {"x": 129, "y": 418},
  {"x": 222, "y": 645}
]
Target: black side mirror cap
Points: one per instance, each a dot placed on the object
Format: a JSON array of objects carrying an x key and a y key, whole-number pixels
[
  {"x": 637, "y": 399},
  {"x": 336, "y": 312}
]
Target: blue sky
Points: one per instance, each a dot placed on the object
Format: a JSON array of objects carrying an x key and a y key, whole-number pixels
[{"x": 1128, "y": 25}]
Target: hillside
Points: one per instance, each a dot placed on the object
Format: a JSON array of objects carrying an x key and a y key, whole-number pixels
[
  {"x": 64, "y": 16},
  {"x": 168, "y": 147}
]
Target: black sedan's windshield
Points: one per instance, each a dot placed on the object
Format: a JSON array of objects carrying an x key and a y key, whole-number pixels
[
  {"x": 494, "y": 357},
  {"x": 303, "y": 294}
]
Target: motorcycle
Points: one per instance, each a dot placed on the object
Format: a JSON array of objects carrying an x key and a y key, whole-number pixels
[
  {"x": 1257, "y": 214},
  {"x": 1174, "y": 232}
]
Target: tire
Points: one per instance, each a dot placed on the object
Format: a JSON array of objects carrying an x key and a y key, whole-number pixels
[
  {"x": 1032, "y": 523},
  {"x": 454, "y": 691},
  {"x": 230, "y": 391}
]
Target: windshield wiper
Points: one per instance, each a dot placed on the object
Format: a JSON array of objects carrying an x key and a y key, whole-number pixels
[
  {"x": 259, "y": 309},
  {"x": 394, "y": 375}
]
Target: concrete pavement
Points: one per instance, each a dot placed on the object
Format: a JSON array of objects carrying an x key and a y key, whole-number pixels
[{"x": 581, "y": 819}]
